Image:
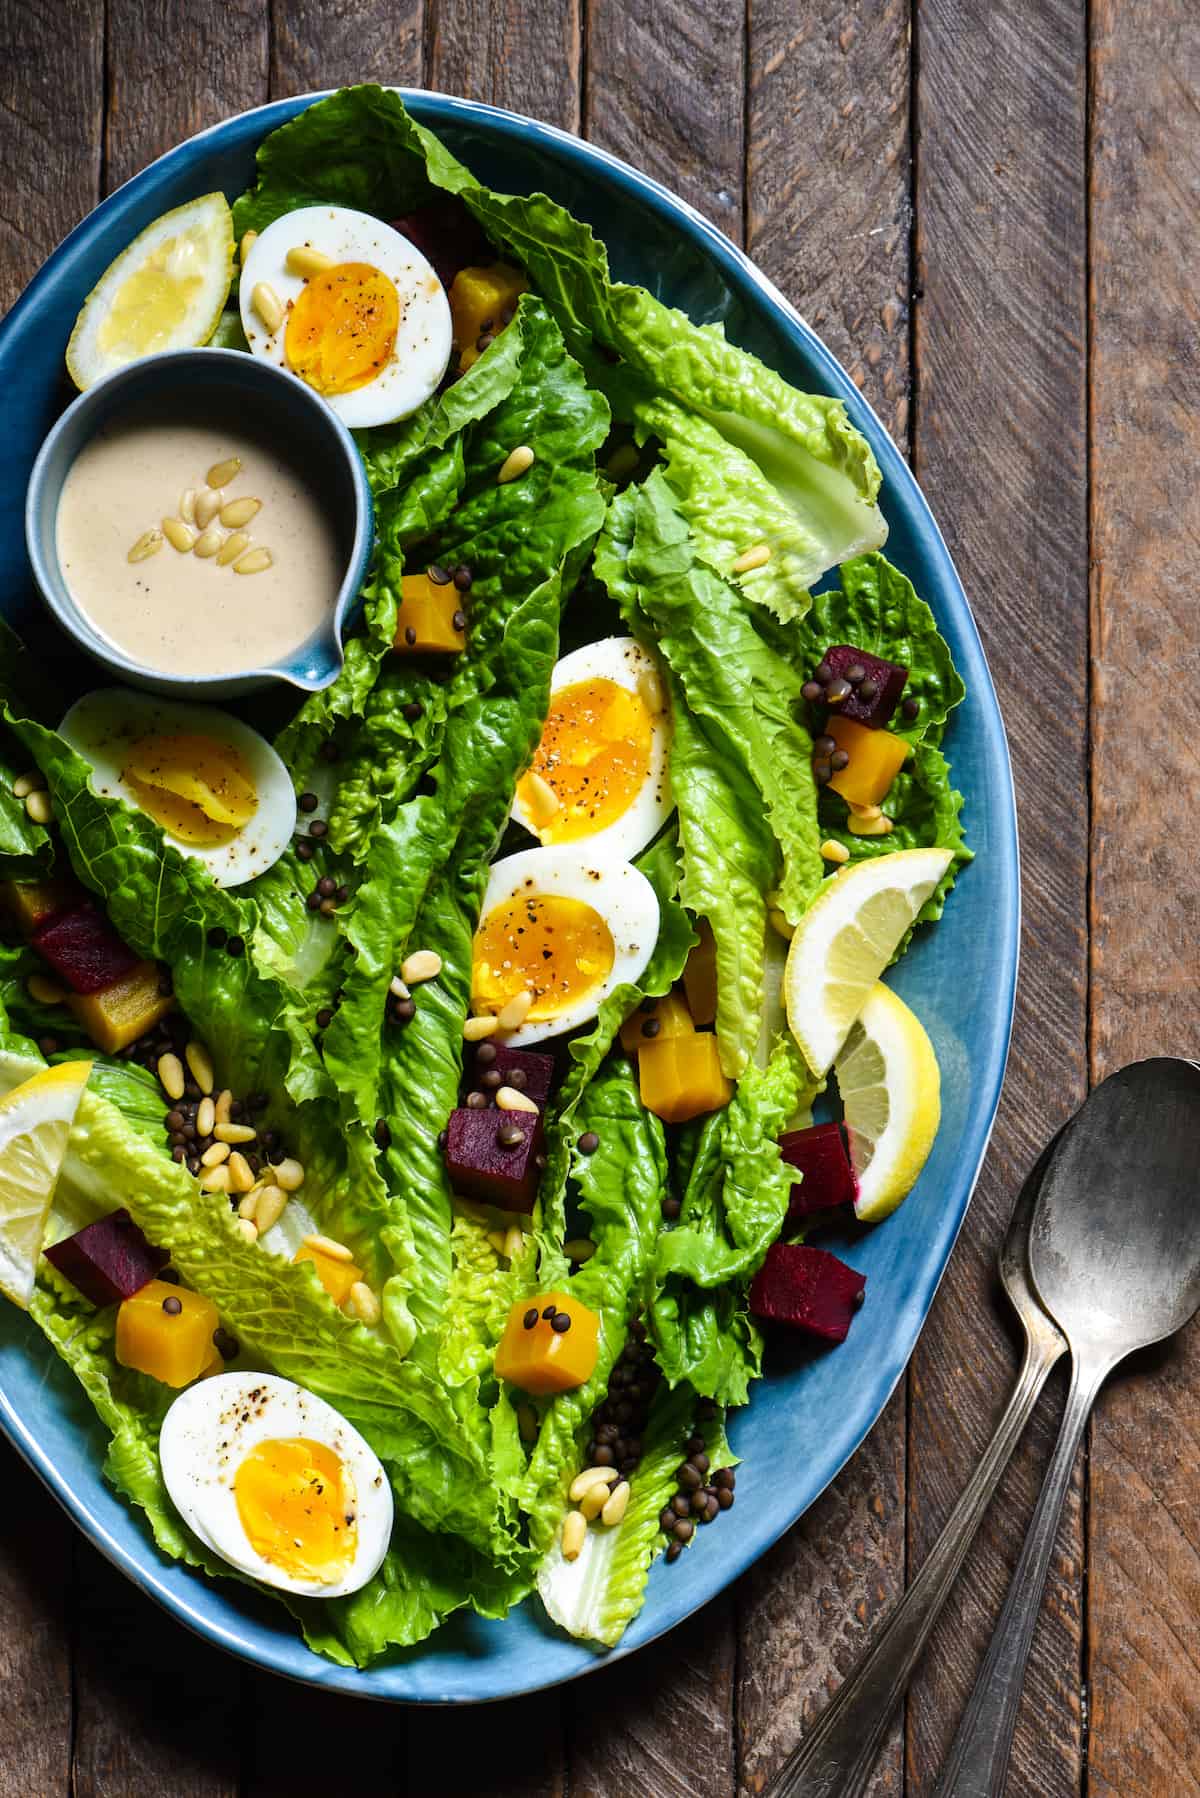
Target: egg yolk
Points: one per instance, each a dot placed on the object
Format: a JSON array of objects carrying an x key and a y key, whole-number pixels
[
  {"x": 198, "y": 788},
  {"x": 558, "y": 949},
  {"x": 297, "y": 1505},
  {"x": 595, "y": 757},
  {"x": 342, "y": 329}
]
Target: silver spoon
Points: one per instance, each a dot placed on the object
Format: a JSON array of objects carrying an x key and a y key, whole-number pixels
[
  {"x": 1114, "y": 1254},
  {"x": 835, "y": 1757}
]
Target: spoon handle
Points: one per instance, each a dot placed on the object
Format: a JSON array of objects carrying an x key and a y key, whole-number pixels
[
  {"x": 835, "y": 1758},
  {"x": 977, "y": 1763}
]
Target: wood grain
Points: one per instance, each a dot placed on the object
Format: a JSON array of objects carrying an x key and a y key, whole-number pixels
[
  {"x": 1000, "y": 446},
  {"x": 35, "y": 1637},
  {"x": 523, "y": 54},
  {"x": 1143, "y": 1660},
  {"x": 317, "y": 44}
]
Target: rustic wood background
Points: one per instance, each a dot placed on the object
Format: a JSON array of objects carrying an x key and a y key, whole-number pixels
[{"x": 988, "y": 208}]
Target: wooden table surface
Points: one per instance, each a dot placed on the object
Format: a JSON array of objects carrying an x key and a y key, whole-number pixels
[{"x": 988, "y": 209}]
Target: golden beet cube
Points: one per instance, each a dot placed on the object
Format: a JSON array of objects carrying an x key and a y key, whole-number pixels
[
  {"x": 430, "y": 619},
  {"x": 167, "y": 1332},
  {"x": 479, "y": 299},
  {"x": 337, "y": 1277},
  {"x": 876, "y": 757},
  {"x": 655, "y": 1019},
  {"x": 680, "y": 1077},
  {"x": 550, "y": 1343},
  {"x": 31, "y": 902},
  {"x": 123, "y": 1011},
  {"x": 700, "y": 976}
]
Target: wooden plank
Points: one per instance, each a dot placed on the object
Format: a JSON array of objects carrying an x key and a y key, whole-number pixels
[
  {"x": 1144, "y": 1542},
  {"x": 315, "y": 46},
  {"x": 828, "y": 217},
  {"x": 523, "y": 54},
  {"x": 1000, "y": 446},
  {"x": 35, "y": 1642}
]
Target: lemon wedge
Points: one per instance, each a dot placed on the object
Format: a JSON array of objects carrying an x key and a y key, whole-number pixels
[
  {"x": 891, "y": 1090},
  {"x": 846, "y": 939},
  {"x": 35, "y": 1122},
  {"x": 165, "y": 291}
]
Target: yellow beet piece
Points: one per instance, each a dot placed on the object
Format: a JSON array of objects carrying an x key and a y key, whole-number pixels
[
  {"x": 478, "y": 299},
  {"x": 680, "y": 1077},
  {"x": 700, "y": 976},
  {"x": 668, "y": 1016},
  {"x": 31, "y": 902},
  {"x": 167, "y": 1332},
  {"x": 123, "y": 1011},
  {"x": 337, "y": 1277},
  {"x": 535, "y": 1356},
  {"x": 425, "y": 622},
  {"x": 876, "y": 757}
]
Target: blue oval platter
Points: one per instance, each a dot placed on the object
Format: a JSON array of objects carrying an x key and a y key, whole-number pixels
[{"x": 807, "y": 1417}]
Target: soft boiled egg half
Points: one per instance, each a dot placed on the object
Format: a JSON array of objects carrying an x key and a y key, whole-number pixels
[
  {"x": 219, "y": 791},
  {"x": 350, "y": 306},
  {"x": 601, "y": 770},
  {"x": 566, "y": 927},
  {"x": 277, "y": 1483}
]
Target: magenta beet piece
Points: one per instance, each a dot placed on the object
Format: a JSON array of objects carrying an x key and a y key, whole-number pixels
[
  {"x": 807, "y": 1289},
  {"x": 485, "y": 1161},
  {"x": 537, "y": 1070},
  {"x": 84, "y": 950},
  {"x": 884, "y": 683},
  {"x": 828, "y": 1179},
  {"x": 447, "y": 234},
  {"x": 108, "y": 1261}
]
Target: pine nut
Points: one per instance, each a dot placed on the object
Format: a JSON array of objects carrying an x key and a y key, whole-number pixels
[
  {"x": 208, "y": 542},
  {"x": 514, "y": 1014},
  {"x": 397, "y": 988},
  {"x": 206, "y": 1117},
  {"x": 232, "y": 1132},
  {"x": 516, "y": 463},
  {"x": 221, "y": 473},
  {"x": 527, "y": 1423},
  {"x": 200, "y": 1062},
  {"x": 325, "y": 1245},
  {"x": 239, "y": 512},
  {"x": 544, "y": 801},
  {"x": 25, "y": 784},
  {"x": 232, "y": 548},
  {"x": 206, "y": 504},
  {"x": 247, "y": 1230},
  {"x": 650, "y": 690},
  {"x": 302, "y": 259},
  {"x": 215, "y": 1154},
  {"x": 224, "y": 1101},
  {"x": 290, "y": 1175},
  {"x": 514, "y": 1242},
  {"x": 423, "y": 965},
  {"x": 496, "y": 1238},
  {"x": 364, "y": 1304},
  {"x": 779, "y": 923},
  {"x": 179, "y": 535},
  {"x": 241, "y": 1177},
  {"x": 272, "y": 1201},
  {"x": 757, "y": 557},
  {"x": 187, "y": 505},
  {"x": 594, "y": 1501},
  {"x": 248, "y": 1204},
  {"x": 509, "y": 1099},
  {"x": 579, "y": 1249},
  {"x": 617, "y": 1505},
  {"x": 574, "y": 1535},
  {"x": 864, "y": 811},
  {"x": 475, "y": 1029},
  {"x": 591, "y": 1476},
  {"x": 256, "y": 562},
  {"x": 833, "y": 851},
  {"x": 215, "y": 1179},
  {"x": 859, "y": 827},
  {"x": 45, "y": 991},
  {"x": 170, "y": 1072},
  {"x": 39, "y": 806},
  {"x": 148, "y": 544},
  {"x": 249, "y": 239},
  {"x": 265, "y": 302}
]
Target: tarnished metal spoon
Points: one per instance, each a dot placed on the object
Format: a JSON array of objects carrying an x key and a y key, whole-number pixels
[
  {"x": 835, "y": 1757},
  {"x": 1114, "y": 1255}
]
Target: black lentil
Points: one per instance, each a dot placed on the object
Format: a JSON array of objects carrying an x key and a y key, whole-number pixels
[
  {"x": 326, "y": 886},
  {"x": 477, "y": 1101},
  {"x": 324, "y": 1018},
  {"x": 560, "y": 1323},
  {"x": 839, "y": 760},
  {"x": 674, "y": 1550},
  {"x": 910, "y": 708},
  {"x": 412, "y": 711},
  {"x": 217, "y": 936},
  {"x": 510, "y": 1136},
  {"x": 671, "y": 1208},
  {"x": 485, "y": 1054},
  {"x": 491, "y": 1080},
  {"x": 589, "y": 1142},
  {"x": 308, "y": 802},
  {"x": 227, "y": 1346},
  {"x": 172, "y": 1306},
  {"x": 410, "y": 635},
  {"x": 236, "y": 946},
  {"x": 549, "y": 1312},
  {"x": 438, "y": 575},
  {"x": 837, "y": 690},
  {"x": 530, "y": 1317},
  {"x": 462, "y": 578},
  {"x": 383, "y": 1134},
  {"x": 328, "y": 751},
  {"x": 459, "y": 621},
  {"x": 813, "y": 691}
]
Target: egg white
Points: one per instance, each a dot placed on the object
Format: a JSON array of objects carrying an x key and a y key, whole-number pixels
[
  {"x": 616, "y": 889},
  {"x": 620, "y": 660},
  {"x": 103, "y": 726},
  {"x": 214, "y": 1425},
  {"x": 423, "y": 338}
]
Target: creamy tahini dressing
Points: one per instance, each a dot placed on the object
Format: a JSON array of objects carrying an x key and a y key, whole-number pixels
[{"x": 181, "y": 613}]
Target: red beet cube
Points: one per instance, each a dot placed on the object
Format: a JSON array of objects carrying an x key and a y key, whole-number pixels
[
  {"x": 534, "y": 1073},
  {"x": 447, "y": 234},
  {"x": 884, "y": 683},
  {"x": 84, "y": 950},
  {"x": 484, "y": 1162},
  {"x": 108, "y": 1261},
  {"x": 807, "y": 1289},
  {"x": 828, "y": 1179}
]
